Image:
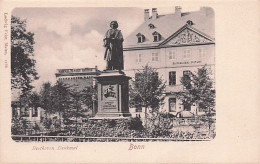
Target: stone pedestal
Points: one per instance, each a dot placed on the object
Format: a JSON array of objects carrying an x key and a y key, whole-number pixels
[{"x": 113, "y": 94}]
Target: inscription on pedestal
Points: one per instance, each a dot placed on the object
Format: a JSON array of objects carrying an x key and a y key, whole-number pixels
[
  {"x": 109, "y": 105},
  {"x": 109, "y": 98}
]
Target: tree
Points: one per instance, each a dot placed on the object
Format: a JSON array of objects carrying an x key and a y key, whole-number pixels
[
  {"x": 75, "y": 109},
  {"x": 34, "y": 101},
  {"x": 22, "y": 52},
  {"x": 55, "y": 99},
  {"x": 81, "y": 102},
  {"x": 46, "y": 97},
  {"x": 147, "y": 90},
  {"x": 68, "y": 101},
  {"x": 87, "y": 96},
  {"x": 61, "y": 98},
  {"x": 30, "y": 99},
  {"x": 198, "y": 89}
]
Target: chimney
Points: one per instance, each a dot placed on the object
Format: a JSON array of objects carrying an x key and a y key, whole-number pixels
[
  {"x": 146, "y": 14},
  {"x": 207, "y": 11},
  {"x": 154, "y": 13},
  {"x": 178, "y": 10}
]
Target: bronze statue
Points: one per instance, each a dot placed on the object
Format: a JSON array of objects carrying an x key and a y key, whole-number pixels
[{"x": 114, "y": 48}]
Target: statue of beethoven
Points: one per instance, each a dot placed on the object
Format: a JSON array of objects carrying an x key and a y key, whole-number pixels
[{"x": 114, "y": 48}]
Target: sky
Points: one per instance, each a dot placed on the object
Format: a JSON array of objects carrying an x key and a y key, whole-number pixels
[{"x": 73, "y": 37}]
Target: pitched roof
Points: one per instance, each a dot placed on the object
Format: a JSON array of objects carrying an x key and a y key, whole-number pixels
[{"x": 167, "y": 25}]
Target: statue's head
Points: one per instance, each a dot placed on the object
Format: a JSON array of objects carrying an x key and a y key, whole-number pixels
[{"x": 114, "y": 24}]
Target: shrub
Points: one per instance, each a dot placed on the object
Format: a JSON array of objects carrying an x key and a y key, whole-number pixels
[
  {"x": 111, "y": 123},
  {"x": 136, "y": 124},
  {"x": 159, "y": 126},
  {"x": 47, "y": 123},
  {"x": 36, "y": 127},
  {"x": 19, "y": 126},
  {"x": 166, "y": 115}
]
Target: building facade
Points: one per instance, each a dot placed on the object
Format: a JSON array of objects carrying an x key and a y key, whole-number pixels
[
  {"x": 78, "y": 78},
  {"x": 173, "y": 44}
]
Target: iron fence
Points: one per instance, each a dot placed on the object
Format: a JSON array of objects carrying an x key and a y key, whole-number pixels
[{"x": 25, "y": 138}]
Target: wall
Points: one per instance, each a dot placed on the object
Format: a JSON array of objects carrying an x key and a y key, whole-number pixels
[
  {"x": 130, "y": 57},
  {"x": 166, "y": 64},
  {"x": 80, "y": 81}
]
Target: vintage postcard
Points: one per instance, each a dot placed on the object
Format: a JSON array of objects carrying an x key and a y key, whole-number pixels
[{"x": 129, "y": 82}]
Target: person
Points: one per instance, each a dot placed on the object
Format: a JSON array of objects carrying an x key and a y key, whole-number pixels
[{"x": 114, "y": 48}]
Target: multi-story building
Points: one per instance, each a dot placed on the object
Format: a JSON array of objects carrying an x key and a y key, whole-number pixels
[
  {"x": 173, "y": 44},
  {"x": 79, "y": 77}
]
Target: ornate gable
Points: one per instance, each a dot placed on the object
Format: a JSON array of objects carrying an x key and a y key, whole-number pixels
[{"x": 187, "y": 35}]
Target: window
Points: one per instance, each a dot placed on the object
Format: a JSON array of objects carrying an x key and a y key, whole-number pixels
[
  {"x": 155, "y": 56},
  {"x": 151, "y": 26},
  {"x": 187, "y": 107},
  {"x": 172, "y": 55},
  {"x": 189, "y": 22},
  {"x": 172, "y": 104},
  {"x": 139, "y": 58},
  {"x": 202, "y": 53},
  {"x": 140, "y": 38},
  {"x": 187, "y": 54},
  {"x": 172, "y": 78},
  {"x": 156, "y": 36}
]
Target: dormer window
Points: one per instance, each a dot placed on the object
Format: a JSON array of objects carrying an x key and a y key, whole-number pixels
[
  {"x": 189, "y": 22},
  {"x": 156, "y": 36},
  {"x": 151, "y": 26},
  {"x": 140, "y": 38}
]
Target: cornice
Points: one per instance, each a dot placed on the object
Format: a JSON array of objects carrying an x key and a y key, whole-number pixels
[{"x": 166, "y": 46}]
